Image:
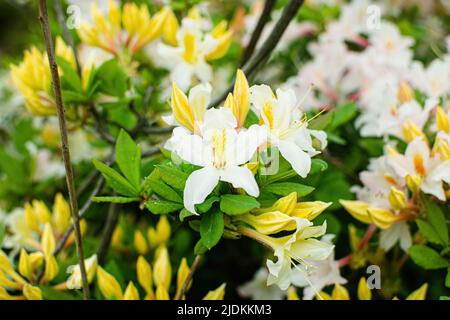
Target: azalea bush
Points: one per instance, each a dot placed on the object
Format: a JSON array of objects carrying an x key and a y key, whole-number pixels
[{"x": 156, "y": 150}]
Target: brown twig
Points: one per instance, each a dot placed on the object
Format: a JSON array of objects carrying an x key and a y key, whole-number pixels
[
  {"x": 43, "y": 17},
  {"x": 254, "y": 64},
  {"x": 111, "y": 222},
  {"x": 371, "y": 229},
  {"x": 188, "y": 279},
  {"x": 262, "y": 21}
]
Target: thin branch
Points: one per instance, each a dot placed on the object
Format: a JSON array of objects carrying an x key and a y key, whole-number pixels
[
  {"x": 262, "y": 21},
  {"x": 111, "y": 222},
  {"x": 66, "y": 33},
  {"x": 43, "y": 17},
  {"x": 252, "y": 66},
  {"x": 188, "y": 279}
]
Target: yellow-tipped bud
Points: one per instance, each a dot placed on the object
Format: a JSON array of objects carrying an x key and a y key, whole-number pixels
[
  {"x": 418, "y": 294},
  {"x": 269, "y": 222},
  {"x": 323, "y": 296},
  {"x": 108, "y": 285},
  {"x": 162, "y": 293},
  {"x": 217, "y": 294},
  {"x": 441, "y": 148},
  {"x": 413, "y": 182},
  {"x": 183, "y": 271},
  {"x": 51, "y": 268},
  {"x": 292, "y": 294},
  {"x": 41, "y": 211},
  {"x": 397, "y": 199},
  {"x": 74, "y": 281},
  {"x": 223, "y": 44},
  {"x": 340, "y": 293},
  {"x": 140, "y": 243},
  {"x": 48, "y": 240},
  {"x": 382, "y": 218},
  {"x": 161, "y": 234},
  {"x": 24, "y": 264},
  {"x": 405, "y": 93},
  {"x": 162, "y": 270},
  {"x": 61, "y": 214},
  {"x": 241, "y": 95},
  {"x": 252, "y": 166},
  {"x": 358, "y": 210},
  {"x": 5, "y": 264},
  {"x": 8, "y": 283},
  {"x": 31, "y": 220},
  {"x": 31, "y": 293},
  {"x": 442, "y": 120},
  {"x": 411, "y": 131},
  {"x": 286, "y": 204},
  {"x": 170, "y": 29},
  {"x": 144, "y": 275},
  {"x": 116, "y": 239},
  {"x": 181, "y": 109},
  {"x": 131, "y": 293},
  {"x": 310, "y": 210},
  {"x": 364, "y": 292},
  {"x": 36, "y": 259}
]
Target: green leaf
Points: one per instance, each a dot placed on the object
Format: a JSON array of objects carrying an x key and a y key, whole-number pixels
[
  {"x": 163, "y": 190},
  {"x": 200, "y": 248},
  {"x": 444, "y": 298},
  {"x": 211, "y": 228},
  {"x": 236, "y": 204},
  {"x": 321, "y": 122},
  {"x": 318, "y": 165},
  {"x": 115, "y": 180},
  {"x": 2, "y": 233},
  {"x": 185, "y": 213},
  {"x": 69, "y": 77},
  {"x": 344, "y": 114},
  {"x": 428, "y": 231},
  {"x": 128, "y": 158},
  {"x": 112, "y": 79},
  {"x": 116, "y": 199},
  {"x": 436, "y": 220},
  {"x": 207, "y": 204},
  {"x": 285, "y": 188},
  {"x": 447, "y": 278},
  {"x": 173, "y": 176},
  {"x": 162, "y": 206},
  {"x": 427, "y": 258}
]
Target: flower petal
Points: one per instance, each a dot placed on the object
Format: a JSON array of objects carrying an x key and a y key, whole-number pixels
[{"x": 199, "y": 185}]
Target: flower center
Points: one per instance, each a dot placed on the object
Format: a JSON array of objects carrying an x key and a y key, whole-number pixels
[{"x": 218, "y": 141}]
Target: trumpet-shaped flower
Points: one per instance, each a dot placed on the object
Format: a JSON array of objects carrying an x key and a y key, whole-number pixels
[
  {"x": 288, "y": 131},
  {"x": 74, "y": 280},
  {"x": 129, "y": 28},
  {"x": 188, "y": 60},
  {"x": 220, "y": 151},
  {"x": 419, "y": 161}
]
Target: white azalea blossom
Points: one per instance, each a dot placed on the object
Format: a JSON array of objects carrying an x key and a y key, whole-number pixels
[{"x": 257, "y": 288}]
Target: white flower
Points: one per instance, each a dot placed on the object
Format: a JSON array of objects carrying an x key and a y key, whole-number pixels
[
  {"x": 320, "y": 274},
  {"x": 288, "y": 131},
  {"x": 298, "y": 247},
  {"x": 74, "y": 280},
  {"x": 221, "y": 151},
  {"x": 257, "y": 288},
  {"x": 397, "y": 232},
  {"x": 418, "y": 161}
]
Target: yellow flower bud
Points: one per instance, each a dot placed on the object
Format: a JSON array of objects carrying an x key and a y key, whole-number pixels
[
  {"x": 5, "y": 264},
  {"x": 323, "y": 296},
  {"x": 61, "y": 214},
  {"x": 397, "y": 199},
  {"x": 382, "y": 218},
  {"x": 241, "y": 94},
  {"x": 41, "y": 211},
  {"x": 292, "y": 294},
  {"x": 183, "y": 271},
  {"x": 413, "y": 182},
  {"x": 223, "y": 44},
  {"x": 441, "y": 148},
  {"x": 161, "y": 293},
  {"x": 405, "y": 93},
  {"x": 442, "y": 120},
  {"x": 8, "y": 283},
  {"x": 144, "y": 275},
  {"x": 364, "y": 292},
  {"x": 48, "y": 240},
  {"x": 285, "y": 204},
  {"x": 131, "y": 292},
  {"x": 51, "y": 268},
  {"x": 170, "y": 28},
  {"x": 24, "y": 264},
  {"x": 108, "y": 285},
  {"x": 269, "y": 222},
  {"x": 30, "y": 218},
  {"x": 162, "y": 270},
  {"x": 358, "y": 210},
  {"x": 181, "y": 109},
  {"x": 116, "y": 239},
  {"x": 36, "y": 259},
  {"x": 418, "y": 294},
  {"x": 310, "y": 210},
  {"x": 411, "y": 131},
  {"x": 340, "y": 293},
  {"x": 140, "y": 243},
  {"x": 217, "y": 294},
  {"x": 31, "y": 293}
]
